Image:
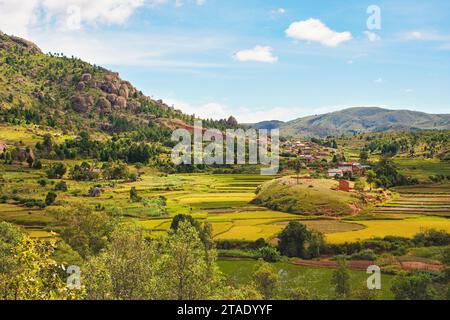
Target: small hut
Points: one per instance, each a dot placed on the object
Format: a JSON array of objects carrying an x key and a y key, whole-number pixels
[{"x": 95, "y": 192}]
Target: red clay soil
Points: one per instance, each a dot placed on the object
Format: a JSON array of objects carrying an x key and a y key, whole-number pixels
[
  {"x": 363, "y": 265},
  {"x": 414, "y": 265},
  {"x": 354, "y": 265}
]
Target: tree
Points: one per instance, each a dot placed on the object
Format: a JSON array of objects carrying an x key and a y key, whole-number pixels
[
  {"x": 30, "y": 161},
  {"x": 134, "y": 197},
  {"x": 293, "y": 239},
  {"x": 186, "y": 273},
  {"x": 415, "y": 286},
  {"x": 125, "y": 270},
  {"x": 341, "y": 280},
  {"x": 27, "y": 270},
  {"x": 371, "y": 176},
  {"x": 56, "y": 171},
  {"x": 37, "y": 164},
  {"x": 50, "y": 198},
  {"x": 297, "y": 166},
  {"x": 85, "y": 230},
  {"x": 364, "y": 156},
  {"x": 61, "y": 186},
  {"x": 316, "y": 243},
  {"x": 266, "y": 279},
  {"x": 84, "y": 172},
  {"x": 269, "y": 254},
  {"x": 183, "y": 217},
  {"x": 360, "y": 185}
]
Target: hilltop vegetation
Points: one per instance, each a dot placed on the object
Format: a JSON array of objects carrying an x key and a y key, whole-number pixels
[
  {"x": 308, "y": 197},
  {"x": 67, "y": 93}
]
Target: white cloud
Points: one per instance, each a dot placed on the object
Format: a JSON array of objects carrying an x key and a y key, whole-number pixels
[
  {"x": 279, "y": 11},
  {"x": 379, "y": 80},
  {"x": 109, "y": 12},
  {"x": 180, "y": 3},
  {"x": 316, "y": 31},
  {"x": 372, "y": 36},
  {"x": 105, "y": 49},
  {"x": 258, "y": 54},
  {"x": 210, "y": 110},
  {"x": 20, "y": 17},
  {"x": 15, "y": 18},
  {"x": 425, "y": 36},
  {"x": 408, "y": 90}
]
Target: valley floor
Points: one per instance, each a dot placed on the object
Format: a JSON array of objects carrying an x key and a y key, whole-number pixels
[{"x": 223, "y": 200}]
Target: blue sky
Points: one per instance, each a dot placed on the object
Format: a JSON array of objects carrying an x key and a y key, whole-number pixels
[{"x": 255, "y": 59}]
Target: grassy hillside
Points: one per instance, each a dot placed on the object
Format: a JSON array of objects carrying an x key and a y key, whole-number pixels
[
  {"x": 60, "y": 92},
  {"x": 363, "y": 120},
  {"x": 308, "y": 197}
]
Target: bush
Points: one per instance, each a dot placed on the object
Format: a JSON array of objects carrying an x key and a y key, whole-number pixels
[
  {"x": 366, "y": 254},
  {"x": 61, "y": 186},
  {"x": 56, "y": 171},
  {"x": 50, "y": 198},
  {"x": 415, "y": 286},
  {"x": 431, "y": 238},
  {"x": 269, "y": 254}
]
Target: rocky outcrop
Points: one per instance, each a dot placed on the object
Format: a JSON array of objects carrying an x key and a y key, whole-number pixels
[
  {"x": 86, "y": 77},
  {"x": 124, "y": 91},
  {"x": 120, "y": 103},
  {"x": 82, "y": 103},
  {"x": 80, "y": 86},
  {"x": 133, "y": 105},
  {"x": 7, "y": 42},
  {"x": 232, "y": 121},
  {"x": 104, "y": 105}
]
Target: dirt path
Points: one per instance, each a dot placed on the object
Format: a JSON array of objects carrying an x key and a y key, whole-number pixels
[{"x": 363, "y": 265}]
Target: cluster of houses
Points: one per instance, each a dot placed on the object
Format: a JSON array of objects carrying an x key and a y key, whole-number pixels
[
  {"x": 310, "y": 151},
  {"x": 19, "y": 153},
  {"x": 306, "y": 151},
  {"x": 347, "y": 168}
]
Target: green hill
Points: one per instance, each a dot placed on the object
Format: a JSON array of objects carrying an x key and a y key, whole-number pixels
[
  {"x": 311, "y": 197},
  {"x": 363, "y": 120},
  {"x": 69, "y": 94},
  {"x": 267, "y": 125}
]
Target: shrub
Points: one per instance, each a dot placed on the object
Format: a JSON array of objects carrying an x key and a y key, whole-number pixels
[
  {"x": 431, "y": 238},
  {"x": 416, "y": 286},
  {"x": 269, "y": 254},
  {"x": 366, "y": 254},
  {"x": 50, "y": 198},
  {"x": 56, "y": 171},
  {"x": 61, "y": 186}
]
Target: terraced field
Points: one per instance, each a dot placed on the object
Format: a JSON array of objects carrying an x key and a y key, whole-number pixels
[
  {"x": 426, "y": 200},
  {"x": 223, "y": 200},
  {"x": 415, "y": 209}
]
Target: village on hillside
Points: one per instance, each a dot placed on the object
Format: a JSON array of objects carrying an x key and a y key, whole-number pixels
[{"x": 330, "y": 161}]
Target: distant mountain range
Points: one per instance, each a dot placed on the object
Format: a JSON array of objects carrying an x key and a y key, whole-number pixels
[{"x": 358, "y": 120}]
